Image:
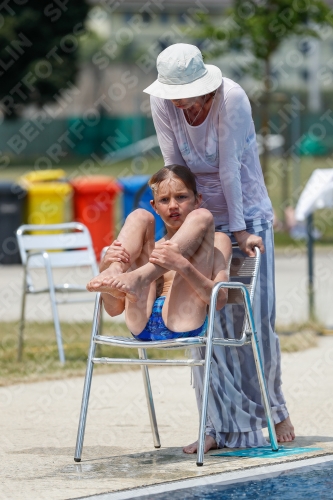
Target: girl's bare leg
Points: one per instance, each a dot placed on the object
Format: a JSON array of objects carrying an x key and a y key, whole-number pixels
[
  {"x": 137, "y": 313},
  {"x": 183, "y": 309},
  {"x": 137, "y": 237},
  {"x": 189, "y": 237}
]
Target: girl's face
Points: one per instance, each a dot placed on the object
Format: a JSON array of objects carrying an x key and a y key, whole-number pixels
[{"x": 173, "y": 201}]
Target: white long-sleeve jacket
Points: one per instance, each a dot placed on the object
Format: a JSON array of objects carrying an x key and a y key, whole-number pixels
[{"x": 222, "y": 152}]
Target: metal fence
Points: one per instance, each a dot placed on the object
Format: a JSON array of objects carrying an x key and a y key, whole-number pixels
[{"x": 310, "y": 133}]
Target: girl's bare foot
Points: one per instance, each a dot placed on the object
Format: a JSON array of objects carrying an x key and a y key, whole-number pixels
[
  {"x": 285, "y": 431},
  {"x": 210, "y": 444},
  {"x": 130, "y": 284},
  {"x": 102, "y": 282}
]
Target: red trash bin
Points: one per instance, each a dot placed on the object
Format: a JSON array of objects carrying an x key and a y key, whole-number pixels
[{"x": 94, "y": 199}]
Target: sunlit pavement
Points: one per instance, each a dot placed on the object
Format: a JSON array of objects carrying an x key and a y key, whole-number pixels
[
  {"x": 39, "y": 423},
  {"x": 292, "y": 286}
]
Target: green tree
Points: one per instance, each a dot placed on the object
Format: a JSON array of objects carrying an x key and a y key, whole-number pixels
[
  {"x": 259, "y": 27},
  {"x": 39, "y": 43}
]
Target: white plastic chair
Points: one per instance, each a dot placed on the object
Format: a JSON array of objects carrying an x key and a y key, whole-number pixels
[
  {"x": 245, "y": 271},
  {"x": 64, "y": 246}
]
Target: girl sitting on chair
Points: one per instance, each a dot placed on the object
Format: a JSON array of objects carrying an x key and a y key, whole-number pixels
[{"x": 165, "y": 287}]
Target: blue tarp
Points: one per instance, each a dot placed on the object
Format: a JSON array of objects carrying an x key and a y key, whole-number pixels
[{"x": 265, "y": 452}]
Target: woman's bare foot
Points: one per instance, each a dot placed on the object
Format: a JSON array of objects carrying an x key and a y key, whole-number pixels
[
  {"x": 285, "y": 431},
  {"x": 102, "y": 282},
  {"x": 210, "y": 444}
]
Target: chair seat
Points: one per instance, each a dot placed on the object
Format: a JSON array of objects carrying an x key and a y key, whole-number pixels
[{"x": 141, "y": 344}]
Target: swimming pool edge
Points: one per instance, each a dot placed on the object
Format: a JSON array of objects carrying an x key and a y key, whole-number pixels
[{"x": 224, "y": 478}]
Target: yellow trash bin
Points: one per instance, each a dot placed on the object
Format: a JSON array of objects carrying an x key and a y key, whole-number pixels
[
  {"x": 49, "y": 199},
  {"x": 44, "y": 176}
]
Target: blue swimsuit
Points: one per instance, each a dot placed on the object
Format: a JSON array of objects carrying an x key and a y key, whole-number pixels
[{"x": 155, "y": 329}]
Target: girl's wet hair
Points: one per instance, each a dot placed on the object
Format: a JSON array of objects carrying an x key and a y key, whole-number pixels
[{"x": 183, "y": 173}]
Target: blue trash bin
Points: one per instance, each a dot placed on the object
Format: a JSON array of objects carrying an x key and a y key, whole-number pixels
[{"x": 137, "y": 194}]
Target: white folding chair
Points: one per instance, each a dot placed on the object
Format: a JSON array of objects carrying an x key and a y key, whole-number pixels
[
  {"x": 54, "y": 246},
  {"x": 245, "y": 271}
]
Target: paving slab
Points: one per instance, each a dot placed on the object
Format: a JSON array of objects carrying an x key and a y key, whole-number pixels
[
  {"x": 291, "y": 278},
  {"x": 39, "y": 424}
]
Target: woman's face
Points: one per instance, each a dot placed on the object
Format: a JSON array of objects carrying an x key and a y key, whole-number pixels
[{"x": 185, "y": 103}]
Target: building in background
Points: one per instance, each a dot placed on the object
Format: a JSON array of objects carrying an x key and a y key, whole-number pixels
[
  {"x": 118, "y": 58},
  {"x": 132, "y": 33}
]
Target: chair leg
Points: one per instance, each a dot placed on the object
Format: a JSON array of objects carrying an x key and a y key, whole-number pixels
[
  {"x": 22, "y": 318},
  {"x": 206, "y": 387},
  {"x": 87, "y": 382},
  {"x": 150, "y": 401},
  {"x": 264, "y": 393},
  {"x": 98, "y": 352},
  {"x": 53, "y": 300}
]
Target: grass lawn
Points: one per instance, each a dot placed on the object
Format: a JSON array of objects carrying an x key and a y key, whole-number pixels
[
  {"x": 298, "y": 341},
  {"x": 40, "y": 357}
]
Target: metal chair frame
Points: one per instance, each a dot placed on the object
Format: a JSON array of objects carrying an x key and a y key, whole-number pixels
[
  {"x": 69, "y": 246},
  {"x": 249, "y": 269}
]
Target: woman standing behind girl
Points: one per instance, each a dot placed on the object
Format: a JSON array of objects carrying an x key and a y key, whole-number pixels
[{"x": 203, "y": 121}]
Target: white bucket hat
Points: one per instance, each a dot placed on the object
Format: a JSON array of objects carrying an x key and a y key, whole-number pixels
[{"x": 182, "y": 73}]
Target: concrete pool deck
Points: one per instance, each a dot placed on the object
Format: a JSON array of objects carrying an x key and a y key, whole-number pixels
[{"x": 39, "y": 424}]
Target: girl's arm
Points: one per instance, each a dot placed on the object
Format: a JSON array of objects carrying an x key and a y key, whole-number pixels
[
  {"x": 115, "y": 253},
  {"x": 168, "y": 255}
]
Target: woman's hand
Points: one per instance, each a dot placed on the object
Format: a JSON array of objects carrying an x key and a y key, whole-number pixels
[
  {"x": 115, "y": 253},
  {"x": 167, "y": 255},
  {"x": 247, "y": 242}
]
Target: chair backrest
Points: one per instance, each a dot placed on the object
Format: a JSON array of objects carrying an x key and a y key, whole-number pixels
[
  {"x": 69, "y": 245},
  {"x": 243, "y": 269}
]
